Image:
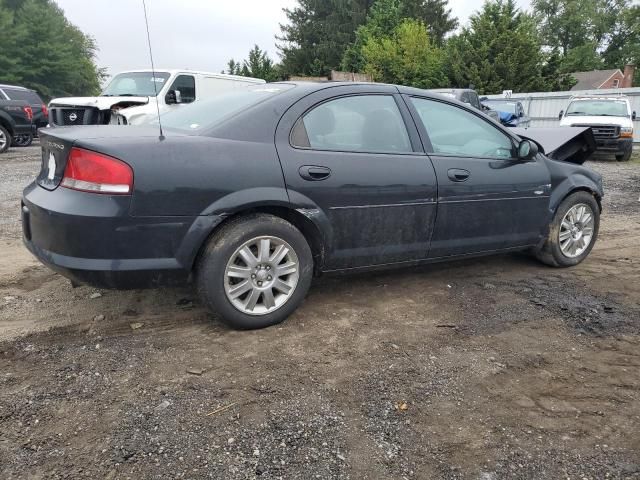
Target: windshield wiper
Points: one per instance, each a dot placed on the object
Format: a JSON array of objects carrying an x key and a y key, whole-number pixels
[{"x": 576, "y": 113}]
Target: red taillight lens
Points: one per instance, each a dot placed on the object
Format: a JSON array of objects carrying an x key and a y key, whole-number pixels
[
  {"x": 93, "y": 172},
  {"x": 45, "y": 110},
  {"x": 29, "y": 112}
]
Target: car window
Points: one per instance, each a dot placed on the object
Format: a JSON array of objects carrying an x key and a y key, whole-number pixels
[
  {"x": 363, "y": 123},
  {"x": 473, "y": 100},
  {"x": 187, "y": 86},
  {"x": 26, "y": 95},
  {"x": 455, "y": 131}
]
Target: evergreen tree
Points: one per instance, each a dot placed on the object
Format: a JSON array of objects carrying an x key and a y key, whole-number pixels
[
  {"x": 499, "y": 51},
  {"x": 435, "y": 14},
  {"x": 317, "y": 33},
  {"x": 257, "y": 65},
  {"x": 45, "y": 51}
]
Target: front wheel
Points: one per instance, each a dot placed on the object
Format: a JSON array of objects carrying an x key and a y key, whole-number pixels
[
  {"x": 255, "y": 271},
  {"x": 5, "y": 139},
  {"x": 573, "y": 231},
  {"x": 625, "y": 157}
]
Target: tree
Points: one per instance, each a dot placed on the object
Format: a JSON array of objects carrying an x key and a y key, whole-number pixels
[
  {"x": 384, "y": 18},
  {"x": 589, "y": 34},
  {"x": 257, "y": 65},
  {"x": 46, "y": 52},
  {"x": 499, "y": 51},
  {"x": 406, "y": 57},
  {"x": 434, "y": 14},
  {"x": 317, "y": 33}
]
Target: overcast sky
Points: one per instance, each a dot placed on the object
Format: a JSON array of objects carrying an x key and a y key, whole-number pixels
[{"x": 193, "y": 34}]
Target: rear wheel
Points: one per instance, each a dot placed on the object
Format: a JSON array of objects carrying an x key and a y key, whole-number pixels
[
  {"x": 255, "y": 271},
  {"x": 573, "y": 231},
  {"x": 5, "y": 139}
]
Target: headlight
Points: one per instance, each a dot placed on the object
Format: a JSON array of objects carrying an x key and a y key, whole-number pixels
[{"x": 626, "y": 132}]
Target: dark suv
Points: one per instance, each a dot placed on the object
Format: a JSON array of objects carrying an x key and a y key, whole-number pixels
[{"x": 39, "y": 108}]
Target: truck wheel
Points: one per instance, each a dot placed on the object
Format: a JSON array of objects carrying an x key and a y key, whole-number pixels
[
  {"x": 255, "y": 271},
  {"x": 5, "y": 139},
  {"x": 573, "y": 231},
  {"x": 23, "y": 140},
  {"x": 625, "y": 157}
]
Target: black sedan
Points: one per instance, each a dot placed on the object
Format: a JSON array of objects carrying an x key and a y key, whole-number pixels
[{"x": 252, "y": 193}]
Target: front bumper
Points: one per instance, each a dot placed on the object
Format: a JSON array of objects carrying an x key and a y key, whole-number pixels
[
  {"x": 92, "y": 239},
  {"x": 617, "y": 146}
]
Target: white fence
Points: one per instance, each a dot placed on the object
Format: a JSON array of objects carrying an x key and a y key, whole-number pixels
[{"x": 543, "y": 107}]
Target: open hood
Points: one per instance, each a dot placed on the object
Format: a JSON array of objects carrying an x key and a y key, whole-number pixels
[
  {"x": 101, "y": 103},
  {"x": 569, "y": 144}
]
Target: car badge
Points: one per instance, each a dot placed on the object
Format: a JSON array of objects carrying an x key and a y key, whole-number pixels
[
  {"x": 73, "y": 117},
  {"x": 52, "y": 167}
]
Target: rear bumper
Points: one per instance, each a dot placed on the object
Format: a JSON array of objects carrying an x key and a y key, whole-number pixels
[{"x": 92, "y": 239}]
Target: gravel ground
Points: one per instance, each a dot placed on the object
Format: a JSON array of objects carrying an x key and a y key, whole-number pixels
[{"x": 483, "y": 369}]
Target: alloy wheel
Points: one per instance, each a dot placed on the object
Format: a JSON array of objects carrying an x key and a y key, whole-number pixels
[
  {"x": 3, "y": 140},
  {"x": 261, "y": 275},
  {"x": 576, "y": 230}
]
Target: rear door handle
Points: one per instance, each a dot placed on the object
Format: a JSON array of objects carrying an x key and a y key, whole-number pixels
[
  {"x": 458, "y": 174},
  {"x": 314, "y": 173}
]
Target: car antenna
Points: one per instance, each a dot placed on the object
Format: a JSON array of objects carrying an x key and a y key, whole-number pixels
[{"x": 153, "y": 68}]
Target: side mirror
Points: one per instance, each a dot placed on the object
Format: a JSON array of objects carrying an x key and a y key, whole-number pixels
[
  {"x": 173, "y": 97},
  {"x": 561, "y": 113},
  {"x": 633, "y": 116},
  {"x": 527, "y": 150}
]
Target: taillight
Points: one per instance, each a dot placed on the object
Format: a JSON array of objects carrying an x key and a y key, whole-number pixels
[
  {"x": 29, "y": 112},
  {"x": 94, "y": 172},
  {"x": 45, "y": 110}
]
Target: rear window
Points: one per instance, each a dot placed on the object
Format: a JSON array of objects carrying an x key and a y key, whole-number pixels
[
  {"x": 205, "y": 114},
  {"x": 26, "y": 95}
]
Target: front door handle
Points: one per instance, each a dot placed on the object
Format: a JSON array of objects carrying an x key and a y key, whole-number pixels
[
  {"x": 314, "y": 173},
  {"x": 458, "y": 175}
]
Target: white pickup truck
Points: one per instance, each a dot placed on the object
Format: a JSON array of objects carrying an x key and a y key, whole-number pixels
[
  {"x": 131, "y": 97},
  {"x": 610, "y": 119}
]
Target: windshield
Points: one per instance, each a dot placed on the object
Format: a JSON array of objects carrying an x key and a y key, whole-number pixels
[
  {"x": 607, "y": 108},
  {"x": 136, "y": 84},
  {"x": 207, "y": 113},
  {"x": 509, "y": 107}
]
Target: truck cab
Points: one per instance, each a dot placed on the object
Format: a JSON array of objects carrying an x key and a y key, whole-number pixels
[
  {"x": 610, "y": 119},
  {"x": 135, "y": 97}
]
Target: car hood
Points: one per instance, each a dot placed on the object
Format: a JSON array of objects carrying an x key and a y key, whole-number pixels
[
  {"x": 595, "y": 120},
  {"x": 569, "y": 144},
  {"x": 102, "y": 103}
]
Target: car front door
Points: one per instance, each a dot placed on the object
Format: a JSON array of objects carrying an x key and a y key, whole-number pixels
[
  {"x": 352, "y": 158},
  {"x": 487, "y": 199}
]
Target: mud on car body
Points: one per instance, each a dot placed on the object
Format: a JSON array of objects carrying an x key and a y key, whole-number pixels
[{"x": 250, "y": 194}]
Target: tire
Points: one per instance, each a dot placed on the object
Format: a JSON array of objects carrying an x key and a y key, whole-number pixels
[
  {"x": 22, "y": 140},
  {"x": 557, "y": 253},
  {"x": 625, "y": 157},
  {"x": 5, "y": 139},
  {"x": 222, "y": 268}
]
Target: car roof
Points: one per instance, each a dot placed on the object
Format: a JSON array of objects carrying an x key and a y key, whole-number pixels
[
  {"x": 174, "y": 71},
  {"x": 600, "y": 97},
  {"x": 17, "y": 87}
]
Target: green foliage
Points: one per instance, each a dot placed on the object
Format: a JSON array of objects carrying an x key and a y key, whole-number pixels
[
  {"x": 317, "y": 33},
  {"x": 499, "y": 51},
  {"x": 42, "y": 50},
  {"x": 257, "y": 65},
  {"x": 590, "y": 34},
  {"x": 404, "y": 57},
  {"x": 434, "y": 14}
]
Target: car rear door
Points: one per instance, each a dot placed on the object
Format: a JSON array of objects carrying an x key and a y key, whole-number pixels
[
  {"x": 487, "y": 199},
  {"x": 352, "y": 159}
]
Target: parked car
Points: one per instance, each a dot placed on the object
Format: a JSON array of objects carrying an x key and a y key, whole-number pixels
[
  {"x": 38, "y": 107},
  {"x": 254, "y": 191},
  {"x": 134, "y": 97},
  {"x": 610, "y": 118},
  {"x": 15, "y": 119},
  {"x": 511, "y": 112},
  {"x": 469, "y": 96}
]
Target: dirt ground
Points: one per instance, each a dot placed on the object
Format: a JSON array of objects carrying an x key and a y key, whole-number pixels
[{"x": 483, "y": 369}]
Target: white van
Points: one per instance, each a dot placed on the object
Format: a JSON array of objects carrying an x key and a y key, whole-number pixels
[
  {"x": 130, "y": 98},
  {"x": 610, "y": 118}
]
